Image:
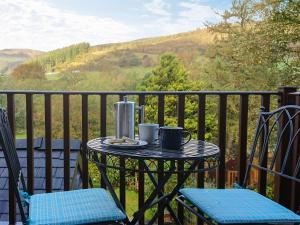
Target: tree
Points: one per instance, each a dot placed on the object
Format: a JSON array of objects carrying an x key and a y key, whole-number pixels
[
  {"x": 32, "y": 70},
  {"x": 128, "y": 59},
  {"x": 147, "y": 61},
  {"x": 260, "y": 49},
  {"x": 171, "y": 75},
  {"x": 256, "y": 48}
]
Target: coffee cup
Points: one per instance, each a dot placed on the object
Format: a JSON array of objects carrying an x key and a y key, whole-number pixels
[
  {"x": 173, "y": 137},
  {"x": 148, "y": 132}
]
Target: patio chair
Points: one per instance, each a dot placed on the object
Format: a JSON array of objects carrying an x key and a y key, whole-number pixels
[
  {"x": 241, "y": 205},
  {"x": 86, "y": 206}
]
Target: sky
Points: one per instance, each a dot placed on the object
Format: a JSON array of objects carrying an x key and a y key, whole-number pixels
[{"x": 50, "y": 24}]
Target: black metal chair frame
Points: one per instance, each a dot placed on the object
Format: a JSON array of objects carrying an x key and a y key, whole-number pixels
[
  {"x": 15, "y": 172},
  {"x": 286, "y": 122}
]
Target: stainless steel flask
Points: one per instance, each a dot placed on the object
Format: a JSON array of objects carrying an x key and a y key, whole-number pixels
[{"x": 125, "y": 118}]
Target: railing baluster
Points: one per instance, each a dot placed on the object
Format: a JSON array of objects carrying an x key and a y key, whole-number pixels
[
  {"x": 122, "y": 176},
  {"x": 161, "y": 110},
  {"x": 282, "y": 185},
  {"x": 160, "y": 174},
  {"x": 181, "y": 107},
  {"x": 243, "y": 128},
  {"x": 160, "y": 166},
  {"x": 296, "y": 185},
  {"x": 103, "y": 130},
  {"x": 262, "y": 175},
  {"x": 85, "y": 134},
  {"x": 201, "y": 136},
  {"x": 66, "y": 119},
  {"x": 141, "y": 175},
  {"x": 222, "y": 139},
  {"x": 12, "y": 123},
  {"x": 30, "y": 145},
  {"x": 201, "y": 133},
  {"x": 48, "y": 143}
]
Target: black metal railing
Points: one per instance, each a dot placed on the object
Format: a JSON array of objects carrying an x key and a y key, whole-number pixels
[{"x": 283, "y": 95}]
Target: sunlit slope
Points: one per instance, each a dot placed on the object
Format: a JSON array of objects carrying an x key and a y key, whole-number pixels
[{"x": 140, "y": 53}]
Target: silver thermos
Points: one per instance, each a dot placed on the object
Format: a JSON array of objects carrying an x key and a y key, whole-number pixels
[{"x": 125, "y": 118}]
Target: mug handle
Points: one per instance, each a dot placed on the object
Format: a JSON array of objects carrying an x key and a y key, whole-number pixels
[
  {"x": 156, "y": 140},
  {"x": 189, "y": 139}
]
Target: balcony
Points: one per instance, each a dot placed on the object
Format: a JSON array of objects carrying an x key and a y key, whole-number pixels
[{"x": 230, "y": 170}]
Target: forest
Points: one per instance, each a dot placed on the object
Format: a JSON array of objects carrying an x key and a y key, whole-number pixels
[{"x": 256, "y": 46}]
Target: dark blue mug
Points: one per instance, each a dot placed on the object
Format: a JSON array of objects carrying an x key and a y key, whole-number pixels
[{"x": 173, "y": 137}]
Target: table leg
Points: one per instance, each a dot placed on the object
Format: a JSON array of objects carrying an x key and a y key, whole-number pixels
[
  {"x": 153, "y": 194},
  {"x": 162, "y": 196},
  {"x": 172, "y": 194},
  {"x": 175, "y": 190}
]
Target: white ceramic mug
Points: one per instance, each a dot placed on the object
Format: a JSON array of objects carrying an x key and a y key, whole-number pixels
[{"x": 148, "y": 132}]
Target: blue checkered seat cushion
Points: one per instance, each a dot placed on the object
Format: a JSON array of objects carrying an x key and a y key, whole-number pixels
[
  {"x": 232, "y": 206},
  {"x": 73, "y": 207}
]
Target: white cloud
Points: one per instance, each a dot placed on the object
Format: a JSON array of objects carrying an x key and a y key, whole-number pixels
[
  {"x": 37, "y": 25},
  {"x": 158, "y": 7},
  {"x": 196, "y": 12},
  {"x": 191, "y": 15}
]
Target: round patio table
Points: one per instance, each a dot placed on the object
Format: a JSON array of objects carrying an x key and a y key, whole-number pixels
[{"x": 196, "y": 156}]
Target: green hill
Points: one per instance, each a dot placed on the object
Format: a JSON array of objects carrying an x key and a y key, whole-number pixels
[{"x": 142, "y": 54}]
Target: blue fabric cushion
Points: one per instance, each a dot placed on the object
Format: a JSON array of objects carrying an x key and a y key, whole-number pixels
[
  {"x": 231, "y": 206},
  {"x": 73, "y": 207}
]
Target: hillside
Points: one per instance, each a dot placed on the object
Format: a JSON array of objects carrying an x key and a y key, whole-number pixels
[
  {"x": 120, "y": 66},
  {"x": 185, "y": 45},
  {"x": 139, "y": 53},
  {"x": 11, "y": 58}
]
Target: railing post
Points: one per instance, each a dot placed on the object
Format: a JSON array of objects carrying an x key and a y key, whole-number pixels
[
  {"x": 201, "y": 134},
  {"x": 262, "y": 175},
  {"x": 141, "y": 175},
  {"x": 48, "y": 142},
  {"x": 66, "y": 119},
  {"x": 161, "y": 122},
  {"x": 122, "y": 175},
  {"x": 283, "y": 186},
  {"x": 30, "y": 145},
  {"x": 85, "y": 135},
  {"x": 296, "y": 186},
  {"x": 181, "y": 109},
  {"x": 12, "y": 123},
  {"x": 243, "y": 128},
  {"x": 222, "y": 139},
  {"x": 103, "y": 116}
]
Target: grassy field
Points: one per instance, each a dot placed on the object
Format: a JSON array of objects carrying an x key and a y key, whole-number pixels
[{"x": 55, "y": 76}]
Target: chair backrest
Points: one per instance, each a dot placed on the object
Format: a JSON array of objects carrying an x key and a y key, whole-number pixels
[
  {"x": 274, "y": 149},
  {"x": 8, "y": 147}
]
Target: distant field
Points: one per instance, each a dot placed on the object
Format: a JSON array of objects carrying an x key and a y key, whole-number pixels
[
  {"x": 56, "y": 76},
  {"x": 8, "y": 63},
  {"x": 11, "y": 58}
]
